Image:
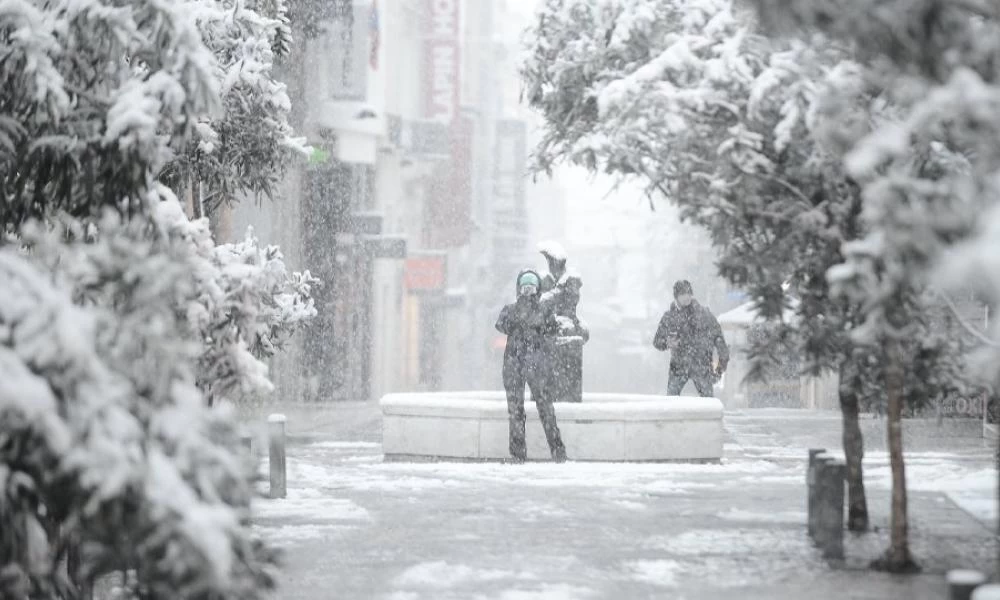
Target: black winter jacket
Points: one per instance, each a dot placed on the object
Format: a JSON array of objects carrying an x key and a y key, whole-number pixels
[
  {"x": 696, "y": 332},
  {"x": 530, "y": 328}
]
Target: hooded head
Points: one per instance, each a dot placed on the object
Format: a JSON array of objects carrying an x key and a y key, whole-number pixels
[
  {"x": 555, "y": 256},
  {"x": 683, "y": 293},
  {"x": 528, "y": 283}
]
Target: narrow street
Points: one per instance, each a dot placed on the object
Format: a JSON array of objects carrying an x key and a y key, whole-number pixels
[{"x": 355, "y": 527}]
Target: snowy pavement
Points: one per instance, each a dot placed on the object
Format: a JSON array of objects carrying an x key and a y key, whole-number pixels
[{"x": 355, "y": 527}]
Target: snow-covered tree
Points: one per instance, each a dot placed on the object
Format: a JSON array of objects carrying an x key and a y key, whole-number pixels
[
  {"x": 928, "y": 171},
  {"x": 89, "y": 87},
  {"x": 247, "y": 307},
  {"x": 687, "y": 97},
  {"x": 108, "y": 447},
  {"x": 119, "y": 314},
  {"x": 76, "y": 144},
  {"x": 244, "y": 150},
  {"x": 746, "y": 134},
  {"x": 236, "y": 304},
  {"x": 93, "y": 96}
]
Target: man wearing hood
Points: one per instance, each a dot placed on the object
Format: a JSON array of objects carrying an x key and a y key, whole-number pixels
[
  {"x": 561, "y": 291},
  {"x": 690, "y": 331},
  {"x": 530, "y": 328}
]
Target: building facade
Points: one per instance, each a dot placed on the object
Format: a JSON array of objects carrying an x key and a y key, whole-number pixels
[{"x": 412, "y": 201}]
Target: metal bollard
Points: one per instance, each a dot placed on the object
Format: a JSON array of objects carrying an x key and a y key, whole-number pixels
[
  {"x": 819, "y": 465},
  {"x": 811, "y": 490},
  {"x": 276, "y": 443},
  {"x": 962, "y": 582},
  {"x": 989, "y": 591},
  {"x": 831, "y": 476},
  {"x": 819, "y": 477}
]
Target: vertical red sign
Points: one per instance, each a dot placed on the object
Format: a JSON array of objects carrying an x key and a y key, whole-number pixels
[
  {"x": 447, "y": 216},
  {"x": 442, "y": 60}
]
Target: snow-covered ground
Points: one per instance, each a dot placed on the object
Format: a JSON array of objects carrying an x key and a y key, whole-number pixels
[
  {"x": 972, "y": 484},
  {"x": 578, "y": 530}
]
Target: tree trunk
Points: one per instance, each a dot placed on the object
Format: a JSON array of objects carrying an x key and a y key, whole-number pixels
[
  {"x": 897, "y": 558},
  {"x": 196, "y": 199},
  {"x": 854, "y": 448}
]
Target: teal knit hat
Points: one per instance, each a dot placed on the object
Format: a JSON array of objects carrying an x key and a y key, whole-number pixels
[{"x": 528, "y": 278}]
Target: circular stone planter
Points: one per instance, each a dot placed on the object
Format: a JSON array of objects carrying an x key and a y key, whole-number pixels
[{"x": 604, "y": 427}]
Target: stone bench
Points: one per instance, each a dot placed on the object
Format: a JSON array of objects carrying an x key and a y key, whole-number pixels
[{"x": 604, "y": 427}]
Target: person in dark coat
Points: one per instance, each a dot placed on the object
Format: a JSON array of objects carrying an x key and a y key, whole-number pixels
[
  {"x": 691, "y": 332},
  {"x": 530, "y": 328},
  {"x": 561, "y": 291}
]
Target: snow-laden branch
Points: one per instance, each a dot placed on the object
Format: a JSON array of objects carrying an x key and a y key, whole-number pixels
[{"x": 976, "y": 333}]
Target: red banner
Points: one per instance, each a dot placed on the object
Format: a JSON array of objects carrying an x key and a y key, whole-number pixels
[{"x": 425, "y": 273}]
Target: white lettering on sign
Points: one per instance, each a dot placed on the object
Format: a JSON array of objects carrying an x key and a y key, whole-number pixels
[
  {"x": 443, "y": 84},
  {"x": 441, "y": 61},
  {"x": 444, "y": 18}
]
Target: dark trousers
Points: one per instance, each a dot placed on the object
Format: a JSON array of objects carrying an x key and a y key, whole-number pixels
[
  {"x": 515, "y": 409},
  {"x": 701, "y": 376}
]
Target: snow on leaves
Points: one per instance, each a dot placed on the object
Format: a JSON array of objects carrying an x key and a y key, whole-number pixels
[
  {"x": 92, "y": 448},
  {"x": 716, "y": 117},
  {"x": 745, "y": 133},
  {"x": 81, "y": 127},
  {"x": 929, "y": 162},
  {"x": 119, "y": 314},
  {"x": 246, "y": 148},
  {"x": 235, "y": 303}
]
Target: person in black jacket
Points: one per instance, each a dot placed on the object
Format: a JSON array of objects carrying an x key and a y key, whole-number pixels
[
  {"x": 690, "y": 331},
  {"x": 530, "y": 328}
]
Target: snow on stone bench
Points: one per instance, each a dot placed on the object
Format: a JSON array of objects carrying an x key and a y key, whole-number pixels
[{"x": 605, "y": 427}]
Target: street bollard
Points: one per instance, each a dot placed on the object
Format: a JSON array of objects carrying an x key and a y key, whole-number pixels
[
  {"x": 962, "y": 582},
  {"x": 989, "y": 591},
  {"x": 811, "y": 490},
  {"x": 276, "y": 443},
  {"x": 830, "y": 504},
  {"x": 819, "y": 469},
  {"x": 819, "y": 464}
]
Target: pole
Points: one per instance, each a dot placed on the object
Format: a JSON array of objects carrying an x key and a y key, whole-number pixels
[{"x": 276, "y": 443}]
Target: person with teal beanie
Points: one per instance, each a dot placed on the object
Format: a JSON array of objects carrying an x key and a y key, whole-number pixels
[{"x": 531, "y": 329}]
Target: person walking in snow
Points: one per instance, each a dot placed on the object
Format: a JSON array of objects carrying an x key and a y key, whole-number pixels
[
  {"x": 561, "y": 291},
  {"x": 530, "y": 328},
  {"x": 690, "y": 332}
]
